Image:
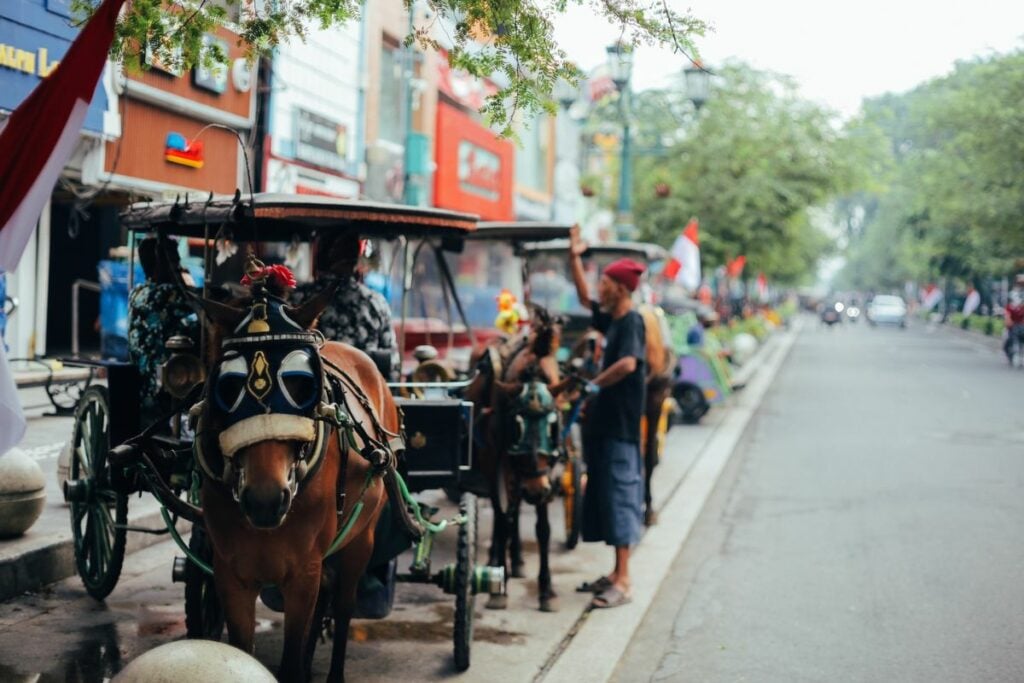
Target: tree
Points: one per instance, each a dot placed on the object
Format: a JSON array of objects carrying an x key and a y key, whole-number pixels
[
  {"x": 517, "y": 37},
  {"x": 952, "y": 206},
  {"x": 750, "y": 167}
]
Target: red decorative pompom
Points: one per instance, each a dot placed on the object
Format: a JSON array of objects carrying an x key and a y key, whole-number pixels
[{"x": 277, "y": 275}]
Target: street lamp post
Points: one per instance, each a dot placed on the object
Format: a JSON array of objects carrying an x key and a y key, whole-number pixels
[
  {"x": 620, "y": 66},
  {"x": 698, "y": 84}
]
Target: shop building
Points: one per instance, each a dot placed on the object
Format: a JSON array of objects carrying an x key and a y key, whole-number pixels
[
  {"x": 315, "y": 115},
  {"x": 475, "y": 169},
  {"x": 148, "y": 135},
  {"x": 34, "y": 36}
]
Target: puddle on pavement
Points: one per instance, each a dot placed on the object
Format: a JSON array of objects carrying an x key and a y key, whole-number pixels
[
  {"x": 437, "y": 631},
  {"x": 96, "y": 658}
]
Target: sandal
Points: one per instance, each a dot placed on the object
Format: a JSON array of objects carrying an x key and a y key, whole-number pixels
[
  {"x": 613, "y": 597},
  {"x": 596, "y": 586}
]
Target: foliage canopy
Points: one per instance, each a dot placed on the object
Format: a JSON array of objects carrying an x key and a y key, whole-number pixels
[
  {"x": 952, "y": 202},
  {"x": 751, "y": 165},
  {"x": 514, "y": 38}
]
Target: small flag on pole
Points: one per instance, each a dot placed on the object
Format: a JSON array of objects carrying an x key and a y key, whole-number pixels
[
  {"x": 735, "y": 267},
  {"x": 684, "y": 266},
  {"x": 35, "y": 144}
]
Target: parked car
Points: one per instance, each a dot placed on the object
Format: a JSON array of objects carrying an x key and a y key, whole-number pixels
[{"x": 886, "y": 309}]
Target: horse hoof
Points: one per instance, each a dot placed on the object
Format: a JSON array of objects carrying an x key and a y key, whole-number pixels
[
  {"x": 518, "y": 571},
  {"x": 549, "y": 604},
  {"x": 497, "y": 602}
]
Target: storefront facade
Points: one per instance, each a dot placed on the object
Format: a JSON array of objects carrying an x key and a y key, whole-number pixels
[
  {"x": 475, "y": 168},
  {"x": 34, "y": 36},
  {"x": 315, "y": 115}
]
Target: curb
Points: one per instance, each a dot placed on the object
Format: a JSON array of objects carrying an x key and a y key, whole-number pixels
[
  {"x": 52, "y": 557},
  {"x": 594, "y": 646}
]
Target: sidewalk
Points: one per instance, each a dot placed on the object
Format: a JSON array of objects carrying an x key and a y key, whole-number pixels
[{"x": 45, "y": 554}]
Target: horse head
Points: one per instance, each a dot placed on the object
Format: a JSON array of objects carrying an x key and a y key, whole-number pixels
[
  {"x": 259, "y": 431},
  {"x": 533, "y": 443}
]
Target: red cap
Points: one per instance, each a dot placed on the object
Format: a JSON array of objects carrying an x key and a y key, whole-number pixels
[{"x": 626, "y": 272}]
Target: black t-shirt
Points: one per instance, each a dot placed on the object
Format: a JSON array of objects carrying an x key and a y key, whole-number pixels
[{"x": 615, "y": 411}]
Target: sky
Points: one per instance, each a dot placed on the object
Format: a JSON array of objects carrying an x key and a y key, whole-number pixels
[{"x": 838, "y": 51}]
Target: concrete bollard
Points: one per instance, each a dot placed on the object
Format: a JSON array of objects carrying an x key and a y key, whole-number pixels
[
  {"x": 195, "y": 661},
  {"x": 22, "y": 493}
]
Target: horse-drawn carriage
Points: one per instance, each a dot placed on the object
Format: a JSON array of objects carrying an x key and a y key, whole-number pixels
[{"x": 262, "y": 400}]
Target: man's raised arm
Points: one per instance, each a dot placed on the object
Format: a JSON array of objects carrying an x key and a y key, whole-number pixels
[{"x": 576, "y": 249}]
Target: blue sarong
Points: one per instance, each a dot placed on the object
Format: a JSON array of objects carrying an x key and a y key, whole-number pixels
[{"x": 614, "y": 497}]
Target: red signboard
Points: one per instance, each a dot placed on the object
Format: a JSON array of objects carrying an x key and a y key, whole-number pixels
[{"x": 474, "y": 167}]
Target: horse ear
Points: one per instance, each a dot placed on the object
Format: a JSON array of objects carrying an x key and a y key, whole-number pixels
[
  {"x": 221, "y": 315},
  {"x": 306, "y": 315}
]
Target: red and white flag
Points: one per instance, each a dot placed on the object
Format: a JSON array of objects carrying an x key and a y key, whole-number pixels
[
  {"x": 35, "y": 144},
  {"x": 684, "y": 266},
  {"x": 972, "y": 301},
  {"x": 735, "y": 267},
  {"x": 931, "y": 296},
  {"x": 762, "y": 287}
]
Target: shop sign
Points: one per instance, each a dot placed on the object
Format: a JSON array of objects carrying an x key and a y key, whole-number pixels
[
  {"x": 474, "y": 168},
  {"x": 215, "y": 76},
  {"x": 34, "y": 36},
  {"x": 320, "y": 141},
  {"x": 479, "y": 171},
  {"x": 33, "y": 62},
  {"x": 179, "y": 150}
]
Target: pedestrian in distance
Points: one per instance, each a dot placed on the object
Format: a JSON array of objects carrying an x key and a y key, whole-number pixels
[{"x": 614, "y": 497}]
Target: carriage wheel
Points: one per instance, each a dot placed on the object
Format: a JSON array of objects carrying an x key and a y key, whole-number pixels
[
  {"x": 465, "y": 562},
  {"x": 204, "y": 617},
  {"x": 692, "y": 403},
  {"x": 572, "y": 489},
  {"x": 99, "y": 513}
]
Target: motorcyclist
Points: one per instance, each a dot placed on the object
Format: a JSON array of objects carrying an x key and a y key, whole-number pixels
[{"x": 1013, "y": 317}]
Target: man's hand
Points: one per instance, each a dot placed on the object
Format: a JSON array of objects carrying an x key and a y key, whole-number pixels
[{"x": 577, "y": 245}]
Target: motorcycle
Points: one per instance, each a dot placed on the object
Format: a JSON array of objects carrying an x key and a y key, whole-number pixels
[
  {"x": 1014, "y": 346},
  {"x": 832, "y": 315}
]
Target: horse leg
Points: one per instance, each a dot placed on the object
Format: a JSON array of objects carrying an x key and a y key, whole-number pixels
[
  {"x": 515, "y": 538},
  {"x": 300, "y": 594},
  {"x": 650, "y": 462},
  {"x": 499, "y": 545},
  {"x": 351, "y": 566},
  {"x": 499, "y": 537},
  {"x": 548, "y": 598},
  {"x": 323, "y": 602},
  {"x": 239, "y": 602}
]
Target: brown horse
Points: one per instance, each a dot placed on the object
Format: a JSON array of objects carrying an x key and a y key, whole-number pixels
[
  {"x": 659, "y": 362},
  {"x": 518, "y": 462},
  {"x": 272, "y": 511}
]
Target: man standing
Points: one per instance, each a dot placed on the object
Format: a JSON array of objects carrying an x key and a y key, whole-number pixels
[{"x": 613, "y": 502}]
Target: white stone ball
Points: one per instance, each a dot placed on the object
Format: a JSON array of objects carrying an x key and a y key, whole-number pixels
[
  {"x": 22, "y": 494},
  {"x": 743, "y": 347},
  {"x": 195, "y": 661}
]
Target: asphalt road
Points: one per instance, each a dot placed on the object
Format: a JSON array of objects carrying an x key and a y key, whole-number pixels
[{"x": 868, "y": 528}]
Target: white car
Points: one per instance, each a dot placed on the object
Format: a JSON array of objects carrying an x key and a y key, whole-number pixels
[{"x": 885, "y": 309}]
